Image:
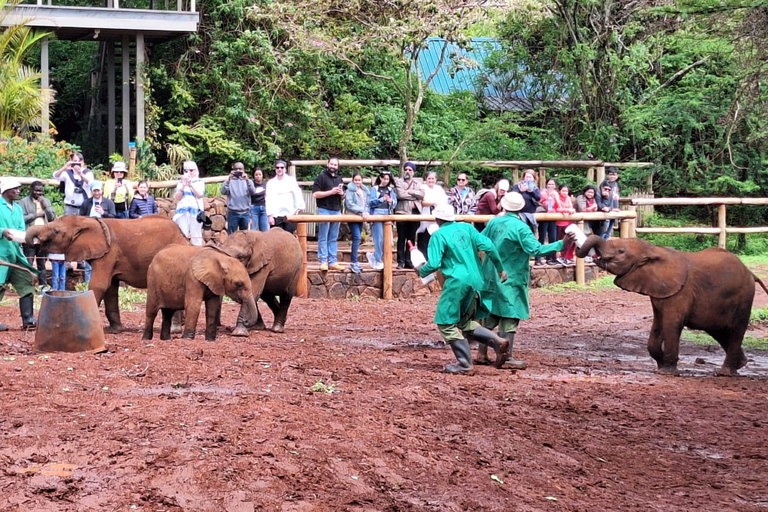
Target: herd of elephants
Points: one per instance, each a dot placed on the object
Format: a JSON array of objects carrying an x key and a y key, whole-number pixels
[{"x": 709, "y": 290}]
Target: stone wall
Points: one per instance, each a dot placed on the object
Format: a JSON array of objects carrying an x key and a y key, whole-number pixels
[{"x": 215, "y": 209}]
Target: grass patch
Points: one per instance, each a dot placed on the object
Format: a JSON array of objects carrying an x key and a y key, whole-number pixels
[
  {"x": 603, "y": 283},
  {"x": 702, "y": 338},
  {"x": 129, "y": 297}
]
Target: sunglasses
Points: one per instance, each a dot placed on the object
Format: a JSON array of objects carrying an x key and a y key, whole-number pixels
[
  {"x": 280, "y": 167},
  {"x": 461, "y": 179}
]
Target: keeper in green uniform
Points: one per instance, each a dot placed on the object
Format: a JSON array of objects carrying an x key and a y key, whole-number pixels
[
  {"x": 12, "y": 217},
  {"x": 453, "y": 249},
  {"x": 516, "y": 243}
]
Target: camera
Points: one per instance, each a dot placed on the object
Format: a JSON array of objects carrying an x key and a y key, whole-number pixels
[{"x": 237, "y": 174}]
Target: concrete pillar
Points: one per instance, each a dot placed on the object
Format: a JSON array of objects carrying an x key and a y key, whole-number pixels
[
  {"x": 126, "y": 95},
  {"x": 139, "y": 86},
  {"x": 45, "y": 83},
  {"x": 111, "y": 100}
]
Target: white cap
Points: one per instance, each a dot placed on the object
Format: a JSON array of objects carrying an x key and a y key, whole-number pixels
[
  {"x": 118, "y": 166},
  {"x": 504, "y": 185},
  {"x": 8, "y": 184},
  {"x": 444, "y": 212}
]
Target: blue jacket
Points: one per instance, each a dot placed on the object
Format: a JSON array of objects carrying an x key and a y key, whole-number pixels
[
  {"x": 141, "y": 207},
  {"x": 352, "y": 200},
  {"x": 375, "y": 201}
]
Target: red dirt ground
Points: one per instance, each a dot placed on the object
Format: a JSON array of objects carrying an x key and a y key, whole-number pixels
[{"x": 235, "y": 425}]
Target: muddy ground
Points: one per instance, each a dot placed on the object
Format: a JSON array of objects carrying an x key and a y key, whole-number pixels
[{"x": 349, "y": 410}]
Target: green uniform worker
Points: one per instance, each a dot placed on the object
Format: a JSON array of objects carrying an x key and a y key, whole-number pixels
[
  {"x": 12, "y": 217},
  {"x": 516, "y": 243},
  {"x": 453, "y": 250}
]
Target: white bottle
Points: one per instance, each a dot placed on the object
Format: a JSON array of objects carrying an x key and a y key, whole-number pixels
[
  {"x": 418, "y": 260},
  {"x": 580, "y": 237}
]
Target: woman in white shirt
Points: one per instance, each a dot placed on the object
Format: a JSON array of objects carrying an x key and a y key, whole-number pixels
[
  {"x": 434, "y": 195},
  {"x": 189, "y": 203}
]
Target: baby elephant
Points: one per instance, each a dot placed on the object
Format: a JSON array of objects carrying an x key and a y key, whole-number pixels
[{"x": 181, "y": 277}]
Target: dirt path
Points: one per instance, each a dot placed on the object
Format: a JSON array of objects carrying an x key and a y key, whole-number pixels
[{"x": 236, "y": 426}]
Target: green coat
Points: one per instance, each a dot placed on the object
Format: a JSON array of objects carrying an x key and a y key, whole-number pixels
[
  {"x": 516, "y": 243},
  {"x": 453, "y": 250},
  {"x": 11, "y": 217}
]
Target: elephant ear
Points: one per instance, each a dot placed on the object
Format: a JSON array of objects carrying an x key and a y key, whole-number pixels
[
  {"x": 249, "y": 248},
  {"x": 209, "y": 268},
  {"x": 91, "y": 240},
  {"x": 659, "y": 274}
]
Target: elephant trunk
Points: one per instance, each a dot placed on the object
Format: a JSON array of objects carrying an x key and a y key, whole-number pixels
[
  {"x": 593, "y": 242},
  {"x": 249, "y": 312},
  {"x": 32, "y": 233}
]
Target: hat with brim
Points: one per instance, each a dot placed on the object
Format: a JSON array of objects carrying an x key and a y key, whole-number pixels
[
  {"x": 444, "y": 212},
  {"x": 8, "y": 184},
  {"x": 119, "y": 167},
  {"x": 513, "y": 202}
]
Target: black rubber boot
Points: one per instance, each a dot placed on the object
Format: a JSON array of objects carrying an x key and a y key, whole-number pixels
[
  {"x": 482, "y": 355},
  {"x": 27, "y": 308},
  {"x": 497, "y": 343},
  {"x": 512, "y": 362},
  {"x": 463, "y": 356}
]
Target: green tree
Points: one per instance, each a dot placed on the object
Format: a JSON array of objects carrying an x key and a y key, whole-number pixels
[{"x": 21, "y": 98}]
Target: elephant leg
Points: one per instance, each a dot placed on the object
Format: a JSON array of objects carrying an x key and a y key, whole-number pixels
[
  {"x": 212, "y": 310},
  {"x": 112, "y": 308},
  {"x": 192, "y": 312},
  {"x": 735, "y": 357},
  {"x": 279, "y": 309},
  {"x": 177, "y": 322},
  {"x": 654, "y": 341},
  {"x": 149, "y": 320},
  {"x": 165, "y": 328},
  {"x": 664, "y": 340}
]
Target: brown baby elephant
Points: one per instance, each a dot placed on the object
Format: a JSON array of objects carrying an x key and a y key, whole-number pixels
[
  {"x": 274, "y": 261},
  {"x": 182, "y": 277},
  {"x": 710, "y": 290}
]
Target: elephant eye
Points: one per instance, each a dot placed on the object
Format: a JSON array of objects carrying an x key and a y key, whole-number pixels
[
  {"x": 621, "y": 251},
  {"x": 239, "y": 285}
]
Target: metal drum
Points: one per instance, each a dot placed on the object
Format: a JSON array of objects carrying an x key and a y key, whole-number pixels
[{"x": 69, "y": 322}]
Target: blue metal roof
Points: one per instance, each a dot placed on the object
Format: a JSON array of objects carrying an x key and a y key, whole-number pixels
[{"x": 460, "y": 69}]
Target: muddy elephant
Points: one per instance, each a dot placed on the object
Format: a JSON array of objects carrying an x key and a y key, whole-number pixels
[
  {"x": 274, "y": 261},
  {"x": 117, "y": 249},
  {"x": 182, "y": 277},
  {"x": 709, "y": 290}
]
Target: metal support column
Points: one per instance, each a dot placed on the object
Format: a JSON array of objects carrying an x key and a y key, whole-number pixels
[
  {"x": 126, "y": 96},
  {"x": 45, "y": 83},
  {"x": 111, "y": 100},
  {"x": 139, "y": 86}
]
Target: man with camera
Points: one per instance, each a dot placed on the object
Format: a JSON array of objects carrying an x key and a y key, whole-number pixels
[
  {"x": 76, "y": 179},
  {"x": 238, "y": 188}
]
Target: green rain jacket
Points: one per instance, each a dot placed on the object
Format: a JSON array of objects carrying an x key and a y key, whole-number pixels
[
  {"x": 516, "y": 243},
  {"x": 11, "y": 217},
  {"x": 453, "y": 250}
]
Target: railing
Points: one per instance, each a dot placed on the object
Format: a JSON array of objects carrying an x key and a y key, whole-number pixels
[
  {"x": 626, "y": 219},
  {"x": 181, "y": 5},
  {"x": 722, "y": 230}
]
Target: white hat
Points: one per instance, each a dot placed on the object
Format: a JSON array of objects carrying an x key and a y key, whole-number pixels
[
  {"x": 513, "y": 202},
  {"x": 189, "y": 165},
  {"x": 8, "y": 184},
  {"x": 97, "y": 185},
  {"x": 118, "y": 167},
  {"x": 504, "y": 185},
  {"x": 444, "y": 212}
]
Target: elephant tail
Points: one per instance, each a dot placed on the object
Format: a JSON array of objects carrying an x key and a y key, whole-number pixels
[{"x": 757, "y": 279}]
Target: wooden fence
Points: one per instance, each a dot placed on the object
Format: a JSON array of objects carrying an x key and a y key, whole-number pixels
[{"x": 626, "y": 219}]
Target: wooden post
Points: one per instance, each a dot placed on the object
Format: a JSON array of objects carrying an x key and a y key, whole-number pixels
[
  {"x": 581, "y": 278},
  {"x": 542, "y": 178},
  {"x": 386, "y": 278},
  {"x": 624, "y": 228},
  {"x": 515, "y": 175},
  {"x": 600, "y": 174},
  {"x": 723, "y": 236},
  {"x": 591, "y": 175},
  {"x": 302, "y": 290},
  {"x": 131, "y": 158}
]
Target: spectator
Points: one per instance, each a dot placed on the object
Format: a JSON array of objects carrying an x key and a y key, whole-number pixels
[
  {"x": 37, "y": 211},
  {"x": 282, "y": 198},
  {"x": 434, "y": 195},
  {"x": 564, "y": 205},
  {"x": 189, "y": 195},
  {"x": 610, "y": 202},
  {"x": 515, "y": 244},
  {"x": 259, "y": 219},
  {"x": 58, "y": 272},
  {"x": 548, "y": 228},
  {"x": 12, "y": 227},
  {"x": 409, "y": 195},
  {"x": 587, "y": 203},
  {"x": 100, "y": 207},
  {"x": 454, "y": 251},
  {"x": 328, "y": 190},
  {"x": 119, "y": 190},
  {"x": 382, "y": 200},
  {"x": 356, "y": 203},
  {"x": 143, "y": 204},
  {"x": 77, "y": 179},
  {"x": 462, "y": 197},
  {"x": 490, "y": 203},
  {"x": 238, "y": 188},
  {"x": 532, "y": 196}
]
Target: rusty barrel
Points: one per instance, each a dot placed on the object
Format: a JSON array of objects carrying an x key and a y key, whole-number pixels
[{"x": 69, "y": 322}]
